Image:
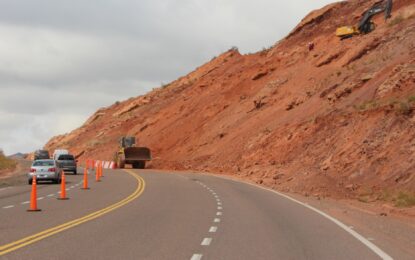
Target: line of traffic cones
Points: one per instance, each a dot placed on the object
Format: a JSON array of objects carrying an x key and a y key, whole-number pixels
[{"x": 89, "y": 164}]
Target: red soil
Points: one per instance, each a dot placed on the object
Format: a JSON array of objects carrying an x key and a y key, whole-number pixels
[{"x": 335, "y": 121}]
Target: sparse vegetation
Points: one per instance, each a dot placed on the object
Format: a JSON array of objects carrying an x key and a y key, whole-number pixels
[
  {"x": 402, "y": 199},
  {"x": 6, "y": 163},
  {"x": 368, "y": 105},
  {"x": 411, "y": 99},
  {"x": 398, "y": 19},
  {"x": 233, "y": 48},
  {"x": 164, "y": 85},
  {"x": 405, "y": 199},
  {"x": 404, "y": 108}
]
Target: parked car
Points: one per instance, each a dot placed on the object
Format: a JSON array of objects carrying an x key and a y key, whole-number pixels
[
  {"x": 58, "y": 152},
  {"x": 67, "y": 162},
  {"x": 45, "y": 170},
  {"x": 41, "y": 154}
]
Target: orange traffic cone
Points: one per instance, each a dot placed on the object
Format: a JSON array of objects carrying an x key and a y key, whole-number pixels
[
  {"x": 63, "y": 188},
  {"x": 85, "y": 187},
  {"x": 97, "y": 174},
  {"x": 33, "y": 196}
]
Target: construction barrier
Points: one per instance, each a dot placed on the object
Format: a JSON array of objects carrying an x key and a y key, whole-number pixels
[{"x": 106, "y": 164}]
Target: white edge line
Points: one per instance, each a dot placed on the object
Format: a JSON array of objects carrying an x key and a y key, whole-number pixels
[
  {"x": 359, "y": 237},
  {"x": 196, "y": 257}
]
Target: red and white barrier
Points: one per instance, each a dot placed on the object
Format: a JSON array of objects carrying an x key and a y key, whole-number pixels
[{"x": 106, "y": 164}]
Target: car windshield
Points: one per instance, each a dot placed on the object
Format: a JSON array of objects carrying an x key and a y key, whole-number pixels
[
  {"x": 66, "y": 157},
  {"x": 43, "y": 163}
]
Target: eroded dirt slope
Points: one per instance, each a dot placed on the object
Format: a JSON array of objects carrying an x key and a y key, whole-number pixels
[{"x": 335, "y": 121}]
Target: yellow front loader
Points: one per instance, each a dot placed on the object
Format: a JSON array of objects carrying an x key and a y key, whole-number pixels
[{"x": 128, "y": 153}]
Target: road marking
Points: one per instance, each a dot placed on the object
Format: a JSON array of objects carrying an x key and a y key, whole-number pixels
[
  {"x": 51, "y": 195},
  {"x": 25, "y": 202},
  {"x": 216, "y": 220},
  {"x": 219, "y": 208},
  {"x": 7, "y": 207},
  {"x": 213, "y": 229},
  {"x": 72, "y": 187},
  {"x": 219, "y": 203},
  {"x": 356, "y": 235},
  {"x": 218, "y": 213},
  {"x": 66, "y": 189},
  {"x": 196, "y": 257},
  {"x": 40, "y": 198},
  {"x": 218, "y": 199},
  {"x": 206, "y": 241},
  {"x": 7, "y": 248}
]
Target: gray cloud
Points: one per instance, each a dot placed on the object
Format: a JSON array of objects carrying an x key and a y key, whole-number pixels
[{"x": 55, "y": 55}]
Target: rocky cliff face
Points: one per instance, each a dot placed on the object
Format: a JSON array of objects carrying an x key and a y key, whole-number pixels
[{"x": 336, "y": 121}]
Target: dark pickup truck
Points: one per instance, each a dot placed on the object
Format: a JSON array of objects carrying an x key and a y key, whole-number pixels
[{"x": 67, "y": 162}]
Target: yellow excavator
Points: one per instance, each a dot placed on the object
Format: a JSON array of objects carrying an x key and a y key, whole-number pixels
[
  {"x": 365, "y": 24},
  {"x": 128, "y": 153}
]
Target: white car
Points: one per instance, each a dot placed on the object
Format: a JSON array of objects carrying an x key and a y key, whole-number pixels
[
  {"x": 45, "y": 170},
  {"x": 58, "y": 152}
]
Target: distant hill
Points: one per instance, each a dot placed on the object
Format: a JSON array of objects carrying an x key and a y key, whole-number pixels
[{"x": 18, "y": 156}]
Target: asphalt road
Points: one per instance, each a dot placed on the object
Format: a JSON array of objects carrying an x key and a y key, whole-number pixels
[{"x": 168, "y": 216}]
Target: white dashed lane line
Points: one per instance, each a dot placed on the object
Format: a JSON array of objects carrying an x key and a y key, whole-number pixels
[
  {"x": 25, "y": 202},
  {"x": 40, "y": 198},
  {"x": 213, "y": 229},
  {"x": 51, "y": 195},
  {"x": 196, "y": 257},
  {"x": 8, "y": 207},
  {"x": 206, "y": 241}
]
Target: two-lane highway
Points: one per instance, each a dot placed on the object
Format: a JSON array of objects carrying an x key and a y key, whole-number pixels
[{"x": 172, "y": 216}]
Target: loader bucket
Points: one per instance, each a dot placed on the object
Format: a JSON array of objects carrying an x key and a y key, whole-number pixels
[{"x": 137, "y": 154}]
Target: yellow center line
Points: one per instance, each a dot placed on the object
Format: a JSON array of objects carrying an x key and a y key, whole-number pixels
[{"x": 54, "y": 230}]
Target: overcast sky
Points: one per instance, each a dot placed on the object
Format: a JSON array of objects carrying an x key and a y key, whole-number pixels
[{"x": 62, "y": 60}]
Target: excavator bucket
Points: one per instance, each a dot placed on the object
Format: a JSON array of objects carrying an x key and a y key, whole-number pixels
[
  {"x": 346, "y": 31},
  {"x": 133, "y": 154}
]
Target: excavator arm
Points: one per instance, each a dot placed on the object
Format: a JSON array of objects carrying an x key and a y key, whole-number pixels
[{"x": 365, "y": 24}]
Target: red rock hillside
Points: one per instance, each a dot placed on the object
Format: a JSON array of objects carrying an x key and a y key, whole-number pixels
[{"x": 335, "y": 121}]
